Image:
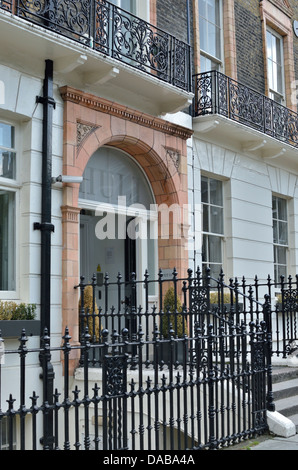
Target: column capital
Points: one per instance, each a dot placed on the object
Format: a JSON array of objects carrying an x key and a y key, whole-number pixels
[{"x": 70, "y": 213}]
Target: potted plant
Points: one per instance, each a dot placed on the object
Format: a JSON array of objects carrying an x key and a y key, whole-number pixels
[
  {"x": 173, "y": 323},
  {"x": 225, "y": 301},
  {"x": 14, "y": 318},
  {"x": 278, "y": 301},
  {"x": 90, "y": 317}
]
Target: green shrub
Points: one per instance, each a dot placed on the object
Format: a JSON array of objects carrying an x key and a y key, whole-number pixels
[
  {"x": 93, "y": 317},
  {"x": 225, "y": 298},
  {"x": 179, "y": 325},
  {"x": 278, "y": 298},
  {"x": 14, "y": 311}
]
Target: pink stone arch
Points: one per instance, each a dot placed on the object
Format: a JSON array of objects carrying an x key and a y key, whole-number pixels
[{"x": 89, "y": 124}]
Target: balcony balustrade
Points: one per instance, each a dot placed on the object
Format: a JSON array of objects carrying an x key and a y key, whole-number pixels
[
  {"x": 215, "y": 93},
  {"x": 107, "y": 29}
]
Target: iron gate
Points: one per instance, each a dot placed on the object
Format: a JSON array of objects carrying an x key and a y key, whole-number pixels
[{"x": 188, "y": 367}]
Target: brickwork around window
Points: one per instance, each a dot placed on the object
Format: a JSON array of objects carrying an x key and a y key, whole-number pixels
[
  {"x": 153, "y": 12},
  {"x": 279, "y": 16},
  {"x": 244, "y": 23},
  {"x": 229, "y": 42},
  {"x": 249, "y": 44},
  {"x": 294, "y": 5},
  {"x": 172, "y": 17},
  {"x": 229, "y": 33}
]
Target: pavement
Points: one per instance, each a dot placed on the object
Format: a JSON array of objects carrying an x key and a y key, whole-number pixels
[
  {"x": 268, "y": 442},
  {"x": 271, "y": 441},
  {"x": 278, "y": 443}
]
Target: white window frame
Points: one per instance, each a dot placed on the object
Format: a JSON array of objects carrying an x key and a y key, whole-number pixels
[
  {"x": 142, "y": 215},
  {"x": 142, "y": 9},
  {"x": 277, "y": 244},
  {"x": 217, "y": 61},
  {"x": 273, "y": 93},
  {"x": 220, "y": 236},
  {"x": 5, "y": 430},
  {"x": 13, "y": 186}
]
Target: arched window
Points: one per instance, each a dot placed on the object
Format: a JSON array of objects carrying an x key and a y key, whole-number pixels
[
  {"x": 112, "y": 177},
  {"x": 118, "y": 225}
]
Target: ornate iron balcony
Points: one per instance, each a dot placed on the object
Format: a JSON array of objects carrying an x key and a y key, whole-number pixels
[
  {"x": 105, "y": 28},
  {"x": 215, "y": 93}
]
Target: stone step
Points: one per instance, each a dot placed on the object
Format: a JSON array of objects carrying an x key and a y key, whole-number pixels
[
  {"x": 294, "y": 419},
  {"x": 281, "y": 374},
  {"x": 287, "y": 406},
  {"x": 285, "y": 392}
]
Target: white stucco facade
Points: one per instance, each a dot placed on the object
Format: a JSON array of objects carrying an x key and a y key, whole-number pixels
[
  {"x": 249, "y": 181},
  {"x": 248, "y": 184},
  {"x": 251, "y": 167},
  {"x": 21, "y": 111}
]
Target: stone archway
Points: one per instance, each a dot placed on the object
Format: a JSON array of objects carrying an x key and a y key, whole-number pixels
[{"x": 157, "y": 145}]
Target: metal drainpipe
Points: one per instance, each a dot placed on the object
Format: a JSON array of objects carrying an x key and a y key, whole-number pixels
[
  {"x": 190, "y": 56},
  {"x": 46, "y": 227},
  {"x": 192, "y": 162}
]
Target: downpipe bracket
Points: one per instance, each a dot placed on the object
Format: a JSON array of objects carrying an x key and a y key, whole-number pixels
[
  {"x": 46, "y": 100},
  {"x": 44, "y": 227}
]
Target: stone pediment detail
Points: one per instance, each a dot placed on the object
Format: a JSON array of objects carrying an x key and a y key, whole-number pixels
[
  {"x": 284, "y": 6},
  {"x": 108, "y": 107}
]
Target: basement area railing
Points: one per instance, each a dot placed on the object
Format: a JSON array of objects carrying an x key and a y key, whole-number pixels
[
  {"x": 174, "y": 363},
  {"x": 174, "y": 373},
  {"x": 107, "y": 29},
  {"x": 215, "y": 93}
]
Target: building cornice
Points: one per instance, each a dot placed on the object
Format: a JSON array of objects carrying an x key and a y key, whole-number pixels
[{"x": 114, "y": 109}]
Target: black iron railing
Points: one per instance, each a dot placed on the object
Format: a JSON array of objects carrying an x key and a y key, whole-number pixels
[
  {"x": 105, "y": 28},
  {"x": 191, "y": 371},
  {"x": 215, "y": 93},
  {"x": 197, "y": 301},
  {"x": 6, "y": 5}
]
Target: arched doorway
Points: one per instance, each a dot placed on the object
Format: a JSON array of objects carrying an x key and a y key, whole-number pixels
[
  {"x": 159, "y": 149},
  {"x": 118, "y": 222}
]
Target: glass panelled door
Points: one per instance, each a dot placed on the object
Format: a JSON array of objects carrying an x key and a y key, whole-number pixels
[
  {"x": 116, "y": 235},
  {"x": 108, "y": 20},
  {"x": 128, "y": 5},
  {"x": 275, "y": 64},
  {"x": 125, "y": 31}
]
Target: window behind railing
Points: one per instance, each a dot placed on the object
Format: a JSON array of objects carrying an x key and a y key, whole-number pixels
[
  {"x": 280, "y": 236},
  {"x": 7, "y": 436},
  {"x": 216, "y": 93},
  {"x": 113, "y": 31},
  {"x": 8, "y": 176}
]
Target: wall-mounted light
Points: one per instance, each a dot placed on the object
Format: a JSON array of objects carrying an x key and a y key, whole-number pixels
[{"x": 67, "y": 179}]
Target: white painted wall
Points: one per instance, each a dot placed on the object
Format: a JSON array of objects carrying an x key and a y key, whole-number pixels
[
  {"x": 249, "y": 182},
  {"x": 20, "y": 109}
]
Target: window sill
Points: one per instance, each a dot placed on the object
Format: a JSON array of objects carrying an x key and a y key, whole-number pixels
[{"x": 9, "y": 183}]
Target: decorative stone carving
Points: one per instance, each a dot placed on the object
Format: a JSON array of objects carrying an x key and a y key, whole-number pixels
[
  {"x": 83, "y": 131},
  {"x": 174, "y": 156}
]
